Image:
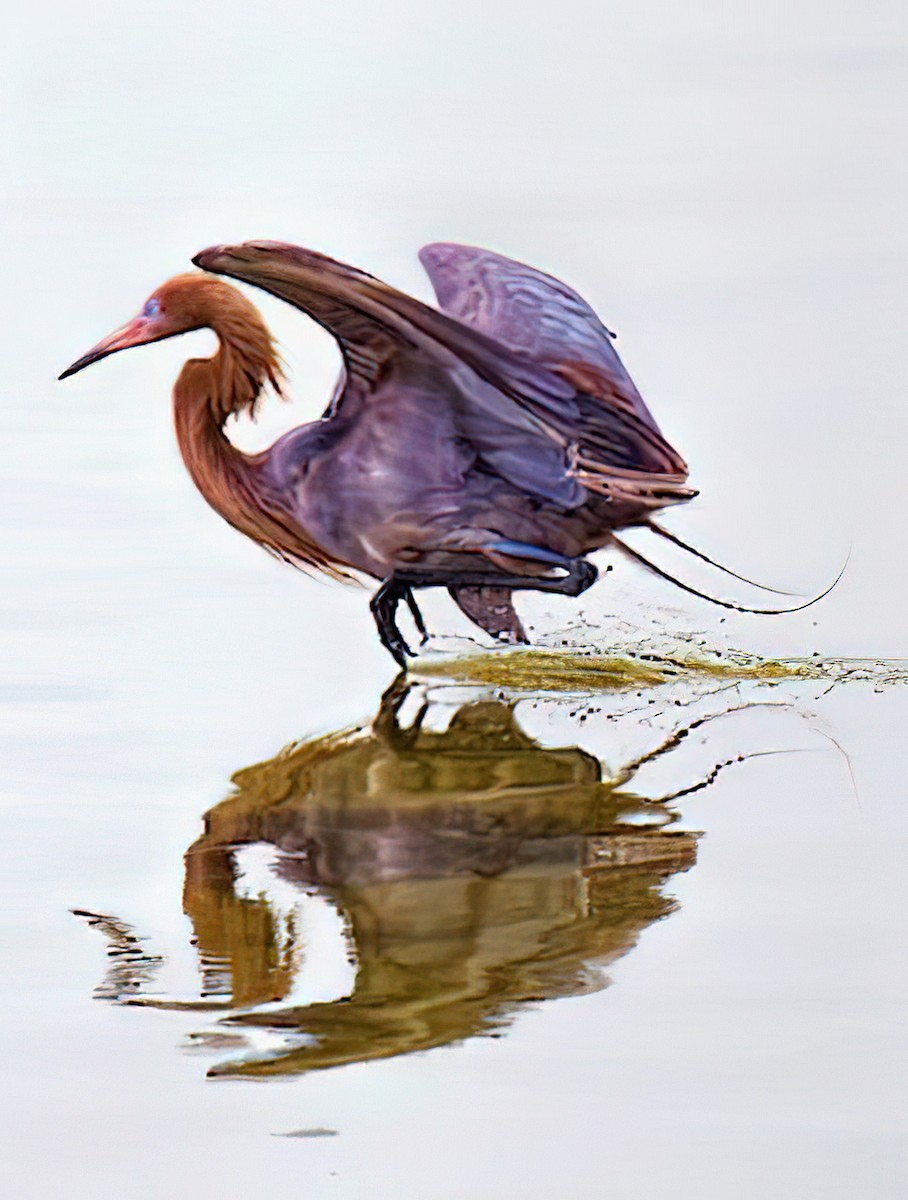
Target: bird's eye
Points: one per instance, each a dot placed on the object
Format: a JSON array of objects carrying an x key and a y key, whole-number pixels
[{"x": 152, "y": 308}]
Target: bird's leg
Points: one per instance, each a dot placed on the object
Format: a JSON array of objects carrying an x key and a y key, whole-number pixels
[
  {"x": 384, "y": 608},
  {"x": 417, "y": 616},
  {"x": 579, "y": 575}
]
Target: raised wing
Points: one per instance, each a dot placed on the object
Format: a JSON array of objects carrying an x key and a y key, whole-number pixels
[
  {"x": 375, "y": 324},
  {"x": 534, "y": 314},
  {"x": 540, "y": 428}
]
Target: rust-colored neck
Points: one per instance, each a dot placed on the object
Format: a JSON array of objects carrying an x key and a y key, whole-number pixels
[
  {"x": 224, "y": 475},
  {"x": 236, "y": 485}
]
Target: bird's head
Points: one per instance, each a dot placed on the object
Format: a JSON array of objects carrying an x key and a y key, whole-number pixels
[{"x": 182, "y": 304}]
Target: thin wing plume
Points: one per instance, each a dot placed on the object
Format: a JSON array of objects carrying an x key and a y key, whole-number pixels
[
  {"x": 676, "y": 541},
  {"x": 686, "y": 587}
]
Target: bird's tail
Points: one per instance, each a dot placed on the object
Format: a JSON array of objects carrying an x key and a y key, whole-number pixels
[{"x": 686, "y": 587}]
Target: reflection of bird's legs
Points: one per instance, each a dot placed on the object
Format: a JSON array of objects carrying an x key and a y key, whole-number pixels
[
  {"x": 392, "y": 701},
  {"x": 579, "y": 575},
  {"x": 387, "y": 721}
]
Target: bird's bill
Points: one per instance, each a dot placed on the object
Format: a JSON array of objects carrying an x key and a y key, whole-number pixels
[{"x": 136, "y": 332}]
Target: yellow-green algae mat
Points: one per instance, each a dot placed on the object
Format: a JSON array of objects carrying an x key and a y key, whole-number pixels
[{"x": 582, "y": 670}]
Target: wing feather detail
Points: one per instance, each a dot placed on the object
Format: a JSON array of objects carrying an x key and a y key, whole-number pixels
[
  {"x": 555, "y": 426},
  {"x": 620, "y": 449}
]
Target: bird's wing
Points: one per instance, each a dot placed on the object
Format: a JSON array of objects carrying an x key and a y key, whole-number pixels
[
  {"x": 537, "y": 427},
  {"x": 535, "y": 315}
]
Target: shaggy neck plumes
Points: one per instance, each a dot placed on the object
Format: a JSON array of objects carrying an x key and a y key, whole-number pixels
[
  {"x": 223, "y": 475},
  {"x": 207, "y": 392}
]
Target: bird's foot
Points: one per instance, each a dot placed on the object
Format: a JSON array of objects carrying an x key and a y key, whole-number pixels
[
  {"x": 417, "y": 616},
  {"x": 384, "y": 609},
  {"x": 578, "y": 575}
]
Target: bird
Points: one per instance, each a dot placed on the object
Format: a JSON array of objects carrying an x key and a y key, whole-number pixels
[{"x": 487, "y": 446}]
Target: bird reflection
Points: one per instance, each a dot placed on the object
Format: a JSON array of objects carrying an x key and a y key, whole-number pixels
[{"x": 471, "y": 870}]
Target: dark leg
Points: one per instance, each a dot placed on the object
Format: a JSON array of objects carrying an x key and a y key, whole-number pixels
[
  {"x": 579, "y": 575},
  {"x": 384, "y": 608},
  {"x": 417, "y": 617}
]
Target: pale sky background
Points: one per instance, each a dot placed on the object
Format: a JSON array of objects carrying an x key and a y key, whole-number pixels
[{"x": 726, "y": 183}]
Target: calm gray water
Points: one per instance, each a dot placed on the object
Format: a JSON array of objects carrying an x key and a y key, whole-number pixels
[{"x": 693, "y": 1016}]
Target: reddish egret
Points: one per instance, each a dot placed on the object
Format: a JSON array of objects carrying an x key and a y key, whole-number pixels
[{"x": 487, "y": 447}]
